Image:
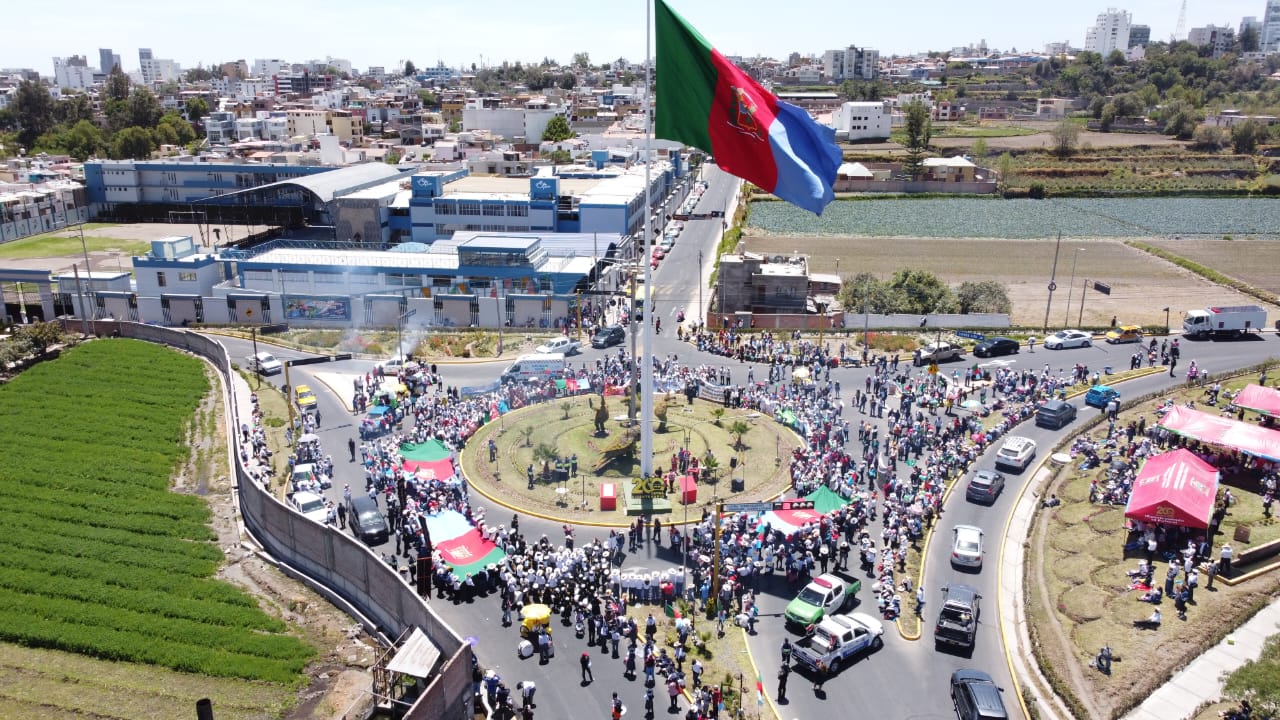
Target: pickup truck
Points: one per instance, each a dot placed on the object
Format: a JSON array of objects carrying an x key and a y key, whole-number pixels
[
  {"x": 836, "y": 638},
  {"x": 957, "y": 624},
  {"x": 935, "y": 353},
  {"x": 562, "y": 345},
  {"x": 824, "y": 595},
  {"x": 264, "y": 363}
]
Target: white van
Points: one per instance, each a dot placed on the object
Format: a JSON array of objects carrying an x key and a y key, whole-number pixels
[{"x": 536, "y": 366}]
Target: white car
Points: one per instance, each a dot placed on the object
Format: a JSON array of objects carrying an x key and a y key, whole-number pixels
[
  {"x": 264, "y": 363},
  {"x": 966, "y": 546},
  {"x": 1068, "y": 339},
  {"x": 562, "y": 345},
  {"x": 311, "y": 505},
  {"x": 1016, "y": 452}
]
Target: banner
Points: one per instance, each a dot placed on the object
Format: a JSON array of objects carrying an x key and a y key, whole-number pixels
[
  {"x": 713, "y": 393},
  {"x": 317, "y": 308}
]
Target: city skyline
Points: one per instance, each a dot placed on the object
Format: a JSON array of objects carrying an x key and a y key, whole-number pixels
[{"x": 505, "y": 31}]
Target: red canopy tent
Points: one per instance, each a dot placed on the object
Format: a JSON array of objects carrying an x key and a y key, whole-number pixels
[
  {"x": 1262, "y": 400},
  {"x": 1248, "y": 438},
  {"x": 1175, "y": 488}
]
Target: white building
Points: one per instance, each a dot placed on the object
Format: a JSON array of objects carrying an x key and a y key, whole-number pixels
[
  {"x": 864, "y": 120},
  {"x": 265, "y": 68},
  {"x": 72, "y": 73},
  {"x": 526, "y": 122},
  {"x": 851, "y": 63},
  {"x": 1219, "y": 39},
  {"x": 1111, "y": 32},
  {"x": 1269, "y": 39},
  {"x": 158, "y": 70}
]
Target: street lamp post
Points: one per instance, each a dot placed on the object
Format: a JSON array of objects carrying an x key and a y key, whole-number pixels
[
  {"x": 1166, "y": 321},
  {"x": 88, "y": 270},
  {"x": 1066, "y": 317},
  {"x": 700, "y": 311}
]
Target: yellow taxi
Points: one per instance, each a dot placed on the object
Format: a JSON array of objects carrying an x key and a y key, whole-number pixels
[
  {"x": 305, "y": 398},
  {"x": 1125, "y": 334}
]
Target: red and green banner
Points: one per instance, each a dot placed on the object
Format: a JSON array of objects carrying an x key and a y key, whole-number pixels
[{"x": 709, "y": 103}]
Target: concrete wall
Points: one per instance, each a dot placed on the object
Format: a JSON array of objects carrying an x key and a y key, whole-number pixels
[
  {"x": 336, "y": 565},
  {"x": 856, "y": 321},
  {"x": 917, "y": 186}
]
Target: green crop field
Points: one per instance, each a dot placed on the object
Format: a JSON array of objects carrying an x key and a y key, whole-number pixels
[{"x": 97, "y": 556}]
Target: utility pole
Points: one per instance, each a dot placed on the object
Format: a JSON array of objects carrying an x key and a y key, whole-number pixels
[
  {"x": 1053, "y": 285},
  {"x": 700, "y": 311},
  {"x": 715, "y": 567},
  {"x": 84, "y": 318}
]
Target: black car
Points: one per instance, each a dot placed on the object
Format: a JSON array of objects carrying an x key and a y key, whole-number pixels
[
  {"x": 976, "y": 696},
  {"x": 366, "y": 520},
  {"x": 996, "y": 346},
  {"x": 608, "y": 336}
]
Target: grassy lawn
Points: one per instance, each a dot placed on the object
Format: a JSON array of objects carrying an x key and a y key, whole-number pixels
[
  {"x": 1079, "y": 598},
  {"x": 1245, "y": 259},
  {"x": 444, "y": 346},
  {"x": 566, "y": 427},
  {"x": 98, "y": 556},
  {"x": 60, "y": 245}
]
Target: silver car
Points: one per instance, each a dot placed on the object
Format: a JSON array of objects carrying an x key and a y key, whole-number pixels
[{"x": 966, "y": 546}]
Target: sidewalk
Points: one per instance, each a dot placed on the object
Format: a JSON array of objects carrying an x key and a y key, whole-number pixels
[{"x": 1201, "y": 681}]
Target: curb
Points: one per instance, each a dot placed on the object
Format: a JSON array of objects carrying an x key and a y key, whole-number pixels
[{"x": 267, "y": 340}]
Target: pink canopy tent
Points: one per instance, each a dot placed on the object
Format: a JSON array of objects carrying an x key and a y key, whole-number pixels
[
  {"x": 1176, "y": 488},
  {"x": 1262, "y": 400},
  {"x": 1247, "y": 438}
]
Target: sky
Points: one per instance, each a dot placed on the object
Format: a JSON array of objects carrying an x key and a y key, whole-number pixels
[{"x": 486, "y": 32}]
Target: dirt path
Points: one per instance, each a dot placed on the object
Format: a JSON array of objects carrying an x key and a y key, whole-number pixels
[
  {"x": 1067, "y": 666},
  {"x": 339, "y": 678}
]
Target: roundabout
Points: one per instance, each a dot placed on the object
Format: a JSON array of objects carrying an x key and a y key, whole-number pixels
[{"x": 552, "y": 459}]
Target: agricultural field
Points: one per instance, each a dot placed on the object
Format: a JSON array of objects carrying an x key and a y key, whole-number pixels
[
  {"x": 97, "y": 555},
  {"x": 1133, "y": 172},
  {"x": 1142, "y": 285},
  {"x": 1250, "y": 260}
]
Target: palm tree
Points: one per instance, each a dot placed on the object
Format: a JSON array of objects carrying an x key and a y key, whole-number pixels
[
  {"x": 527, "y": 432},
  {"x": 718, "y": 414},
  {"x": 738, "y": 429},
  {"x": 566, "y": 406}
]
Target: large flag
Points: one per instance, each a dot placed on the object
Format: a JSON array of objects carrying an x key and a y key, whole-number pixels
[
  {"x": 461, "y": 545},
  {"x": 709, "y": 103}
]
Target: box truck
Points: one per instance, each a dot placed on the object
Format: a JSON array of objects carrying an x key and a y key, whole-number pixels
[{"x": 1224, "y": 321}]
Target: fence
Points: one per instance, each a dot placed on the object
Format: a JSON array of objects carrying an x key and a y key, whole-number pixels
[
  {"x": 853, "y": 322},
  {"x": 335, "y": 564}
]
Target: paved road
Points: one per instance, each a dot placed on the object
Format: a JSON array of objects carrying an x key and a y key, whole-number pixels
[{"x": 902, "y": 680}]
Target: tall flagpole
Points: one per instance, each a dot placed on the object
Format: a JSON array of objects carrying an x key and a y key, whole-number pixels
[{"x": 646, "y": 328}]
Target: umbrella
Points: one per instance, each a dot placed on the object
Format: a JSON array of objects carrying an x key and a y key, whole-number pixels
[
  {"x": 535, "y": 611},
  {"x": 309, "y": 438},
  {"x": 971, "y": 404},
  {"x": 801, "y": 373}
]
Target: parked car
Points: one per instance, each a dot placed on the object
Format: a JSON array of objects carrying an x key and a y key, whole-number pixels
[
  {"x": 366, "y": 520},
  {"x": 976, "y": 696},
  {"x": 1016, "y": 452},
  {"x": 1064, "y": 339},
  {"x": 563, "y": 345},
  {"x": 985, "y": 486},
  {"x": 311, "y": 505},
  {"x": 826, "y": 594},
  {"x": 1125, "y": 334},
  {"x": 966, "y": 546},
  {"x": 992, "y": 347},
  {"x": 608, "y": 336},
  {"x": 264, "y": 363},
  {"x": 1055, "y": 414},
  {"x": 305, "y": 398},
  {"x": 1099, "y": 395}
]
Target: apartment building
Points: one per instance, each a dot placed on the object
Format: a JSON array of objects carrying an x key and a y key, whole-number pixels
[{"x": 1110, "y": 32}]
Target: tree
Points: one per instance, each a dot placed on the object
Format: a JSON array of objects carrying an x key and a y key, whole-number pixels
[
  {"x": 144, "y": 109},
  {"x": 560, "y": 157},
  {"x": 71, "y": 109},
  {"x": 32, "y": 107},
  {"x": 738, "y": 428},
  {"x": 428, "y": 98},
  {"x": 197, "y": 108},
  {"x": 557, "y": 129},
  {"x": 117, "y": 87},
  {"x": 1004, "y": 170},
  {"x": 984, "y": 296},
  {"x": 1179, "y": 119},
  {"x": 1210, "y": 139},
  {"x": 1246, "y": 136},
  {"x": 865, "y": 293},
  {"x": 81, "y": 141},
  {"x": 979, "y": 149},
  {"x": 919, "y": 129},
  {"x": 921, "y": 292},
  {"x": 182, "y": 130},
  {"x": 132, "y": 143},
  {"x": 1248, "y": 39},
  {"x": 392, "y": 157},
  {"x": 1116, "y": 58},
  {"x": 582, "y": 60},
  {"x": 198, "y": 74},
  {"x": 568, "y": 81},
  {"x": 1065, "y": 136},
  {"x": 410, "y": 69}
]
